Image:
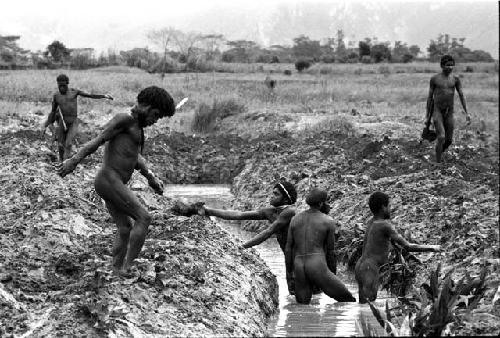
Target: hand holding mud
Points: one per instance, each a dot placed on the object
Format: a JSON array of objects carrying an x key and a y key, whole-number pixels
[{"x": 66, "y": 167}]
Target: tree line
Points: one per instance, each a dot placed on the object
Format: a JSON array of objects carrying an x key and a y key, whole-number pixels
[{"x": 180, "y": 51}]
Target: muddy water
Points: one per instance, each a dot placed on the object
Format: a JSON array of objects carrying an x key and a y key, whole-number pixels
[{"x": 324, "y": 316}]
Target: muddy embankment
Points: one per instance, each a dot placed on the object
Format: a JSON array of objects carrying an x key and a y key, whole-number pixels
[
  {"x": 56, "y": 242},
  {"x": 455, "y": 206}
]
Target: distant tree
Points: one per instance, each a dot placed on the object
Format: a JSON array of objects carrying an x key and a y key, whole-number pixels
[
  {"x": 240, "y": 51},
  {"x": 341, "y": 53},
  {"x": 444, "y": 44},
  {"x": 401, "y": 53},
  {"x": 364, "y": 49},
  {"x": 414, "y": 50},
  {"x": 380, "y": 52},
  {"x": 212, "y": 43},
  {"x": 328, "y": 50},
  {"x": 186, "y": 43},
  {"x": 305, "y": 48},
  {"x": 163, "y": 38},
  {"x": 57, "y": 51}
]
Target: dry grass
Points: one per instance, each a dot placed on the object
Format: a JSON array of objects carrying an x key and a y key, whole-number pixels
[{"x": 399, "y": 95}]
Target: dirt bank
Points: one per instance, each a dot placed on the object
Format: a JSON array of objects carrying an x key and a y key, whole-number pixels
[
  {"x": 455, "y": 206},
  {"x": 192, "y": 280}
]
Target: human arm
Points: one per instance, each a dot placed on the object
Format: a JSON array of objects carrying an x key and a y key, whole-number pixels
[
  {"x": 112, "y": 128},
  {"x": 282, "y": 221},
  {"x": 430, "y": 99},
  {"x": 331, "y": 259},
  {"x": 94, "y": 96},
  {"x": 289, "y": 248},
  {"x": 458, "y": 86},
  {"x": 153, "y": 182},
  {"x": 398, "y": 239},
  {"x": 233, "y": 214},
  {"x": 52, "y": 115}
]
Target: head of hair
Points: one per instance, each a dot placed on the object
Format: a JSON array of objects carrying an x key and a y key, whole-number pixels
[
  {"x": 62, "y": 78},
  {"x": 288, "y": 190},
  {"x": 158, "y": 98},
  {"x": 316, "y": 196},
  {"x": 377, "y": 200},
  {"x": 447, "y": 58}
]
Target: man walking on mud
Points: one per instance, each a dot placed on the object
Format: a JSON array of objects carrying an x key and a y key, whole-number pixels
[
  {"x": 278, "y": 214},
  {"x": 64, "y": 111},
  {"x": 310, "y": 251},
  {"x": 440, "y": 104},
  {"x": 124, "y": 138},
  {"x": 378, "y": 236}
]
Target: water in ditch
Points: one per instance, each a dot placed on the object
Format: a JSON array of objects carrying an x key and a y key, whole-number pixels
[{"x": 324, "y": 316}]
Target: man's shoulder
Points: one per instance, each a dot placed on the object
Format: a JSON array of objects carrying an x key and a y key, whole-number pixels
[{"x": 123, "y": 118}]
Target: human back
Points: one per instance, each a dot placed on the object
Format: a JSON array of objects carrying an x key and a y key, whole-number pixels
[
  {"x": 377, "y": 241},
  {"x": 313, "y": 226}
]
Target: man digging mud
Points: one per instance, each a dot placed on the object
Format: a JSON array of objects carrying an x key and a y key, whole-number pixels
[
  {"x": 379, "y": 234},
  {"x": 124, "y": 135},
  {"x": 278, "y": 214},
  {"x": 64, "y": 111},
  {"x": 309, "y": 251},
  {"x": 440, "y": 104}
]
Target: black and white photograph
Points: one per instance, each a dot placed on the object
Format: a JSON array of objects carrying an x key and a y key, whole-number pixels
[{"x": 249, "y": 168}]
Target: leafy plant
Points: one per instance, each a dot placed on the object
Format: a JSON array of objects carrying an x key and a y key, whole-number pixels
[{"x": 432, "y": 310}]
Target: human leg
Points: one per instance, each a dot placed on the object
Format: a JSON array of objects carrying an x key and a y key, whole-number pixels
[
  {"x": 61, "y": 139},
  {"x": 112, "y": 190},
  {"x": 318, "y": 273},
  {"x": 440, "y": 132},
  {"x": 124, "y": 224},
  {"x": 368, "y": 281},
  {"x": 449, "y": 126},
  {"x": 303, "y": 289},
  {"x": 70, "y": 135}
]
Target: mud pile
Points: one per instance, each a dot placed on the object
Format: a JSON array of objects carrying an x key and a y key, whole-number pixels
[
  {"x": 455, "y": 206},
  {"x": 55, "y": 279}
]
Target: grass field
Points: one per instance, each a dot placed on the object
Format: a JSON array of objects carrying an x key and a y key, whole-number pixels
[{"x": 363, "y": 93}]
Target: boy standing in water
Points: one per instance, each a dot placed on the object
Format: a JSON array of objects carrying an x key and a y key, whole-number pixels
[
  {"x": 440, "y": 104},
  {"x": 64, "y": 111},
  {"x": 310, "y": 251},
  {"x": 278, "y": 214},
  {"x": 124, "y": 138},
  {"x": 376, "y": 246}
]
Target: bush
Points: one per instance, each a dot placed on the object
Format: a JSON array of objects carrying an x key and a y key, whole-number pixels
[
  {"x": 287, "y": 72},
  {"x": 206, "y": 117},
  {"x": 300, "y": 65},
  {"x": 469, "y": 69},
  {"x": 275, "y": 59}
]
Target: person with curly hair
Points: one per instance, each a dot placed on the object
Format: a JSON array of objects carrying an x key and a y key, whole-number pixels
[
  {"x": 124, "y": 139},
  {"x": 64, "y": 111}
]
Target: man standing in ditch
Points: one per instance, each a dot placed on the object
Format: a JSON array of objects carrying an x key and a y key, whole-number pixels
[
  {"x": 309, "y": 252},
  {"x": 378, "y": 236},
  {"x": 440, "y": 102},
  {"x": 64, "y": 111},
  {"x": 278, "y": 214},
  {"x": 124, "y": 138}
]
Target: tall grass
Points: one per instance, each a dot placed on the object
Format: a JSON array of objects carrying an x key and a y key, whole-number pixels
[{"x": 206, "y": 117}]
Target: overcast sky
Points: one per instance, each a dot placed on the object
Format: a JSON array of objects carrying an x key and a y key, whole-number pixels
[{"x": 122, "y": 24}]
